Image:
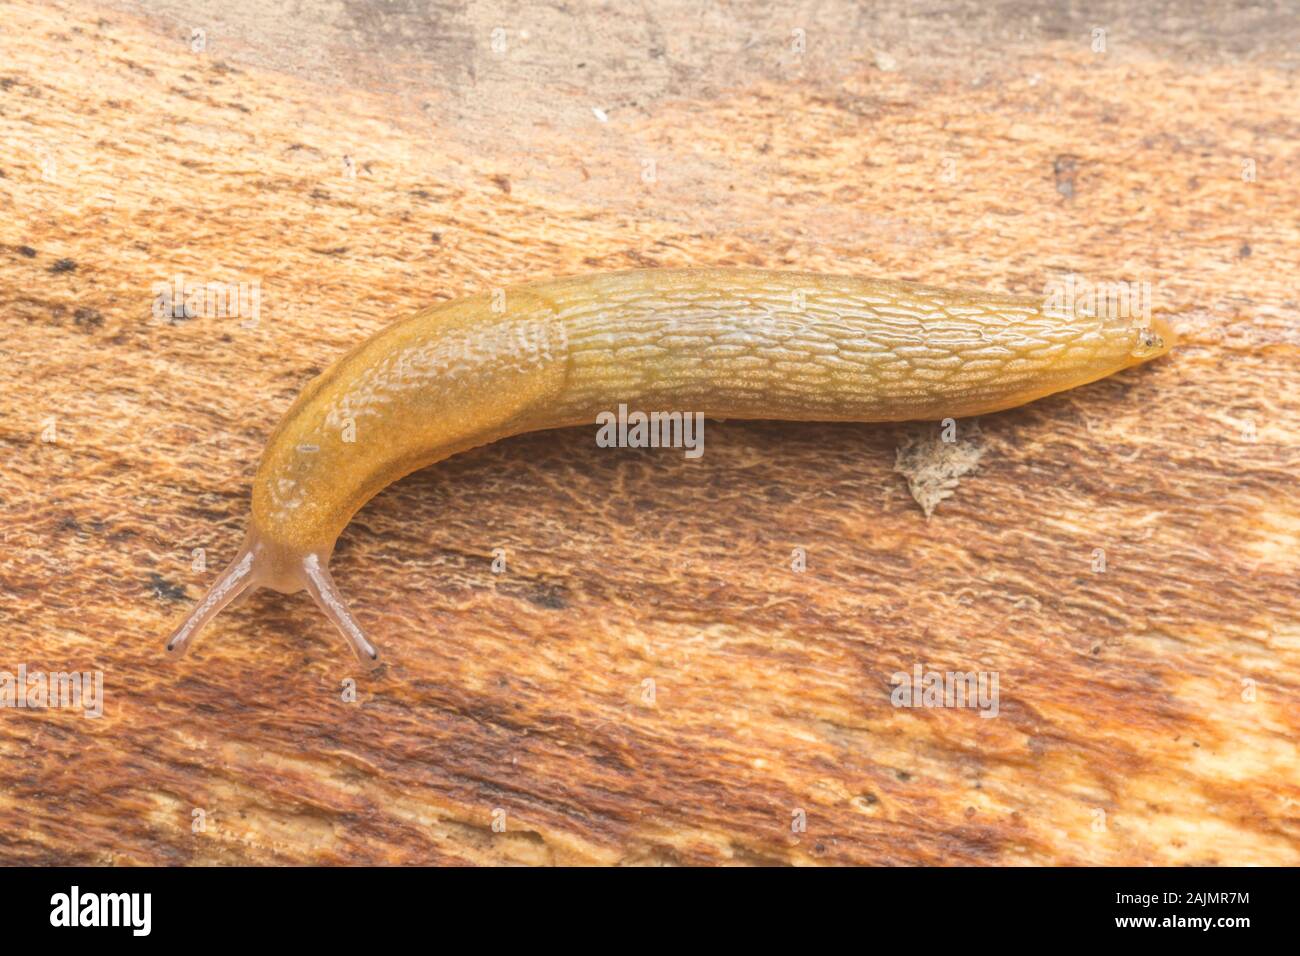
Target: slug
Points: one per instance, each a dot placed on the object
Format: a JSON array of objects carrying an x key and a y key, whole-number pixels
[{"x": 728, "y": 343}]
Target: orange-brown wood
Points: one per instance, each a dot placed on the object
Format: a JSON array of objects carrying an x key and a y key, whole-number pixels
[{"x": 648, "y": 679}]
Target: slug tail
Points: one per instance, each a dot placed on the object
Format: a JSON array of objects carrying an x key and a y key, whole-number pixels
[
  {"x": 237, "y": 578},
  {"x": 326, "y": 595}
]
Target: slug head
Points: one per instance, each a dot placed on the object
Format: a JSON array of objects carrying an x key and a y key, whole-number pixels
[{"x": 1153, "y": 340}]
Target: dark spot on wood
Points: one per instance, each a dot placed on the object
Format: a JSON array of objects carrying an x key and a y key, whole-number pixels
[
  {"x": 436, "y": 236},
  {"x": 88, "y": 318},
  {"x": 63, "y": 265},
  {"x": 136, "y": 67},
  {"x": 27, "y": 251},
  {"x": 777, "y": 495},
  {"x": 613, "y": 761},
  {"x": 164, "y": 589},
  {"x": 503, "y": 183},
  {"x": 1245, "y": 250},
  {"x": 548, "y": 596}
]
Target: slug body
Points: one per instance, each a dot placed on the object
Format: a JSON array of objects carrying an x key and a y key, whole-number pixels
[{"x": 730, "y": 343}]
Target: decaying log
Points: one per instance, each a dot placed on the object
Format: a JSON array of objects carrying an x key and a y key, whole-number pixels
[{"x": 681, "y": 660}]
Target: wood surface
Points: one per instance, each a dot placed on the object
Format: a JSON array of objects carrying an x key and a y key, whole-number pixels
[{"x": 649, "y": 680}]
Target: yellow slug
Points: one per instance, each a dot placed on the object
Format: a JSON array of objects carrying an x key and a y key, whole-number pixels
[{"x": 727, "y": 343}]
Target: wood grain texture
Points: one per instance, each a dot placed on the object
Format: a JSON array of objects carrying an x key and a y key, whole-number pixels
[{"x": 355, "y": 186}]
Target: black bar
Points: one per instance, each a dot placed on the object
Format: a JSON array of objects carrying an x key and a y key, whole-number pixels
[{"x": 944, "y": 906}]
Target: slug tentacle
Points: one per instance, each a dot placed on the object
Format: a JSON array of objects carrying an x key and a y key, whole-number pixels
[
  {"x": 261, "y": 564},
  {"x": 237, "y": 578},
  {"x": 322, "y": 590}
]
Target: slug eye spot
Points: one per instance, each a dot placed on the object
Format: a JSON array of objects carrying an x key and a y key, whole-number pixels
[{"x": 1149, "y": 342}]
